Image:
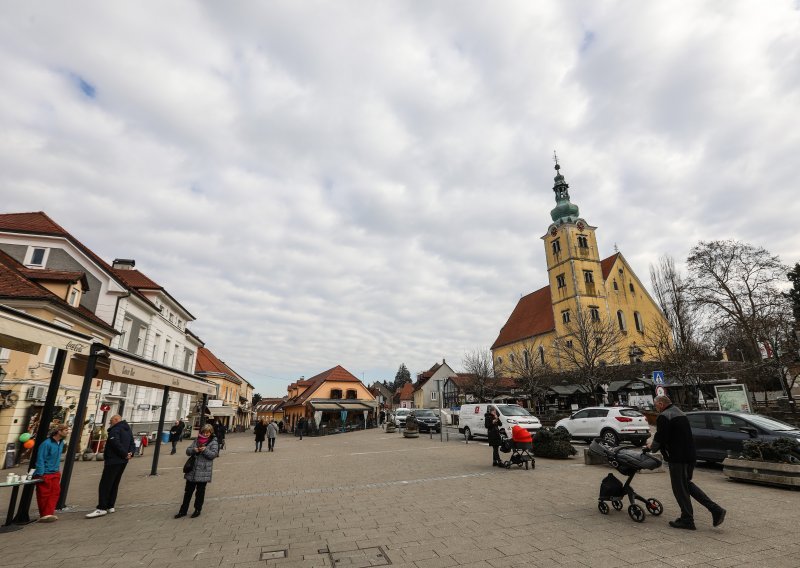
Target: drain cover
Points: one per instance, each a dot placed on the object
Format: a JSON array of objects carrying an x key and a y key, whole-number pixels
[
  {"x": 363, "y": 558},
  {"x": 273, "y": 554}
]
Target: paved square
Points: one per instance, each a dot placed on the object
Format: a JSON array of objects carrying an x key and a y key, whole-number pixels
[{"x": 372, "y": 499}]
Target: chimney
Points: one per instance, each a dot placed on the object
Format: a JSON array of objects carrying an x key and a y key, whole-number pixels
[
  {"x": 443, "y": 361},
  {"x": 124, "y": 263}
]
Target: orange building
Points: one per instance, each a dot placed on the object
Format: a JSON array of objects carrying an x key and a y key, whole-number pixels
[{"x": 333, "y": 401}]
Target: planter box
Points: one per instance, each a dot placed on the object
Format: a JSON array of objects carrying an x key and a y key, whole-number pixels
[{"x": 767, "y": 473}]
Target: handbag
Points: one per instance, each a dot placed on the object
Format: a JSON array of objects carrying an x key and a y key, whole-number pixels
[{"x": 189, "y": 465}]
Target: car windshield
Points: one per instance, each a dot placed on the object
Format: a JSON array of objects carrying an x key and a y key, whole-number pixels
[
  {"x": 512, "y": 410},
  {"x": 425, "y": 413},
  {"x": 769, "y": 423},
  {"x": 400, "y": 411}
]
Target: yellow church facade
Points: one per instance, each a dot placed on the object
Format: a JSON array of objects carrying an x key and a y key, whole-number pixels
[{"x": 587, "y": 300}]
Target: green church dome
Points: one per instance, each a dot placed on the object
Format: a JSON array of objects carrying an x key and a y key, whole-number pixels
[{"x": 564, "y": 211}]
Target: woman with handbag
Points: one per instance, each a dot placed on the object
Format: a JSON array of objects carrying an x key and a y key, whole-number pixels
[{"x": 197, "y": 470}]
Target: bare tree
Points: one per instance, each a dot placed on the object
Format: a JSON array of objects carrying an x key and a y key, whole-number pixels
[
  {"x": 740, "y": 285},
  {"x": 676, "y": 341},
  {"x": 590, "y": 342},
  {"x": 527, "y": 365},
  {"x": 477, "y": 364}
]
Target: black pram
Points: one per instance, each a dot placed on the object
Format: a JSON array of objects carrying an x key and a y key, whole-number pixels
[
  {"x": 628, "y": 462},
  {"x": 521, "y": 454}
]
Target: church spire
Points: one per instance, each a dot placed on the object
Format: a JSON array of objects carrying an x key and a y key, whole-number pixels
[{"x": 564, "y": 211}]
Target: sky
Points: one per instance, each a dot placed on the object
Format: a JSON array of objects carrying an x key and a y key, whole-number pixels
[{"x": 366, "y": 184}]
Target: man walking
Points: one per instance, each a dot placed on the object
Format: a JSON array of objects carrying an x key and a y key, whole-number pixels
[
  {"x": 272, "y": 432},
  {"x": 301, "y": 426},
  {"x": 48, "y": 463},
  {"x": 674, "y": 438},
  {"x": 175, "y": 434},
  {"x": 118, "y": 452}
]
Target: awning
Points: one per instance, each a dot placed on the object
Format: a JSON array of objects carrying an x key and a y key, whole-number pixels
[
  {"x": 122, "y": 367},
  {"x": 326, "y": 406},
  {"x": 343, "y": 404},
  {"x": 23, "y": 332},
  {"x": 360, "y": 405},
  {"x": 222, "y": 411}
]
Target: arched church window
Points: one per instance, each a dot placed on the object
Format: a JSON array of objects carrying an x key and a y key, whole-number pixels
[{"x": 621, "y": 319}]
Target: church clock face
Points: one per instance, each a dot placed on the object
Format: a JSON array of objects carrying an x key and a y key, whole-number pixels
[
  {"x": 553, "y": 231},
  {"x": 581, "y": 226}
]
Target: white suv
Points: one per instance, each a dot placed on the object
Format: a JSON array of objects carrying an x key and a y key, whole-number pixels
[
  {"x": 400, "y": 416},
  {"x": 612, "y": 424}
]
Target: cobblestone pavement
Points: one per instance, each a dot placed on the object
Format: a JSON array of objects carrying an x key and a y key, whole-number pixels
[{"x": 372, "y": 499}]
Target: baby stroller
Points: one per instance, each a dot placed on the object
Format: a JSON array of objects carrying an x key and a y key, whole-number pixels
[
  {"x": 521, "y": 448},
  {"x": 628, "y": 462}
]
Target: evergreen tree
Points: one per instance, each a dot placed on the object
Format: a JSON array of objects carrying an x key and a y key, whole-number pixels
[
  {"x": 794, "y": 292},
  {"x": 402, "y": 377}
]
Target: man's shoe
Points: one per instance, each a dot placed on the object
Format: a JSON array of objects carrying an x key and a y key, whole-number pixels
[
  {"x": 112, "y": 510},
  {"x": 96, "y": 513},
  {"x": 195, "y": 514},
  {"x": 180, "y": 514},
  {"x": 681, "y": 524},
  {"x": 48, "y": 519},
  {"x": 718, "y": 516}
]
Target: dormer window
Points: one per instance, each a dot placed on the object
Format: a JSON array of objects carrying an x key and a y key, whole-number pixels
[
  {"x": 36, "y": 256},
  {"x": 351, "y": 394},
  {"x": 74, "y": 297},
  {"x": 336, "y": 393}
]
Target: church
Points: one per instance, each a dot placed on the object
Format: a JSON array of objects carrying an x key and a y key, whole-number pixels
[{"x": 593, "y": 312}]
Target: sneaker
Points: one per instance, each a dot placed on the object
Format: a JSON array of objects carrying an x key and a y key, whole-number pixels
[
  {"x": 96, "y": 513},
  {"x": 48, "y": 519},
  {"x": 112, "y": 510},
  {"x": 681, "y": 524},
  {"x": 718, "y": 516}
]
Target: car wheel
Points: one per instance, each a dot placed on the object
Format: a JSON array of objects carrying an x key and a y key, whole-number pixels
[
  {"x": 610, "y": 437},
  {"x": 467, "y": 433}
]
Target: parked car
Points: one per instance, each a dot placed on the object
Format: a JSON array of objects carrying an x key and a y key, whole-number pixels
[
  {"x": 400, "y": 416},
  {"x": 611, "y": 423},
  {"x": 717, "y": 433},
  {"x": 471, "y": 419},
  {"x": 427, "y": 420}
]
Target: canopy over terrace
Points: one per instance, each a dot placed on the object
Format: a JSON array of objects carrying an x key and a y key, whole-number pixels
[{"x": 341, "y": 407}]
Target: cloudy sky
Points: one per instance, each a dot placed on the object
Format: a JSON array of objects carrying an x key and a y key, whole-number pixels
[{"x": 366, "y": 183}]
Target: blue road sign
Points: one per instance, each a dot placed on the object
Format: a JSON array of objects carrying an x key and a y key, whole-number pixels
[{"x": 658, "y": 377}]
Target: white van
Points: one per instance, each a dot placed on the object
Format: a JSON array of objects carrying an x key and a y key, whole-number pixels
[{"x": 471, "y": 421}]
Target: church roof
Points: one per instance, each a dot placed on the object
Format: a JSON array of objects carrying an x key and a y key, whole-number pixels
[{"x": 607, "y": 264}]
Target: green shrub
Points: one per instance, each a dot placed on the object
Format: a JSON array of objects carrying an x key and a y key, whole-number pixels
[
  {"x": 552, "y": 443},
  {"x": 782, "y": 450}
]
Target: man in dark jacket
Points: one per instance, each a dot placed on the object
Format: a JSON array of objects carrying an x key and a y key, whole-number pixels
[
  {"x": 118, "y": 452},
  {"x": 674, "y": 438},
  {"x": 175, "y": 434},
  {"x": 492, "y": 423}
]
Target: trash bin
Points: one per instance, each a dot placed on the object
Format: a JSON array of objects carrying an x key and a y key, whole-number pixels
[
  {"x": 11, "y": 456},
  {"x": 164, "y": 437}
]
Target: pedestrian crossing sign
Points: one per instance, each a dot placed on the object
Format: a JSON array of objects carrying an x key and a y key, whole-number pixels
[{"x": 658, "y": 377}]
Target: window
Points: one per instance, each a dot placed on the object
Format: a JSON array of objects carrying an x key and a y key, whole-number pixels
[
  {"x": 50, "y": 356},
  {"x": 541, "y": 354},
  {"x": 175, "y": 355},
  {"x": 727, "y": 423},
  {"x": 336, "y": 393},
  {"x": 499, "y": 360},
  {"x": 583, "y": 242},
  {"x": 631, "y": 288},
  {"x": 126, "y": 332},
  {"x": 4, "y": 354},
  {"x": 637, "y": 319},
  {"x": 561, "y": 281},
  {"x": 595, "y": 313},
  {"x": 527, "y": 358},
  {"x": 588, "y": 276},
  {"x": 73, "y": 297},
  {"x": 511, "y": 358},
  {"x": 36, "y": 256},
  {"x": 621, "y": 321},
  {"x": 166, "y": 352},
  {"x": 598, "y": 413},
  {"x": 434, "y": 395},
  {"x": 565, "y": 316},
  {"x": 139, "y": 348},
  {"x": 616, "y": 286},
  {"x": 697, "y": 421},
  {"x": 156, "y": 346},
  {"x": 582, "y": 414},
  {"x": 569, "y": 344},
  {"x": 556, "y": 246},
  {"x": 351, "y": 394}
]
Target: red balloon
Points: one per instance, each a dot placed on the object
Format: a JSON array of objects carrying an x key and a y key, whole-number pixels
[{"x": 29, "y": 444}]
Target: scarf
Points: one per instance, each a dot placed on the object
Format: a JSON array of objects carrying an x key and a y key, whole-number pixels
[{"x": 202, "y": 440}]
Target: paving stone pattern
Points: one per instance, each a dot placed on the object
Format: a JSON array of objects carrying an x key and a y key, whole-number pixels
[{"x": 374, "y": 499}]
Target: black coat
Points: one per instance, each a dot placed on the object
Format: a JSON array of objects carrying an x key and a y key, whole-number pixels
[
  {"x": 674, "y": 436},
  {"x": 260, "y": 431},
  {"x": 119, "y": 444},
  {"x": 492, "y": 425}
]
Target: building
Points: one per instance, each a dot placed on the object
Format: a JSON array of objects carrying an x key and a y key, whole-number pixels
[
  {"x": 429, "y": 385},
  {"x": 232, "y": 405},
  {"x": 585, "y": 295},
  {"x": 404, "y": 397},
  {"x": 333, "y": 401},
  {"x": 149, "y": 321},
  {"x": 53, "y": 296},
  {"x": 269, "y": 409}
]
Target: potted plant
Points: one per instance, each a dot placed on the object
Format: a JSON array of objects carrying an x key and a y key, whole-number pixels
[
  {"x": 412, "y": 428},
  {"x": 774, "y": 462}
]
